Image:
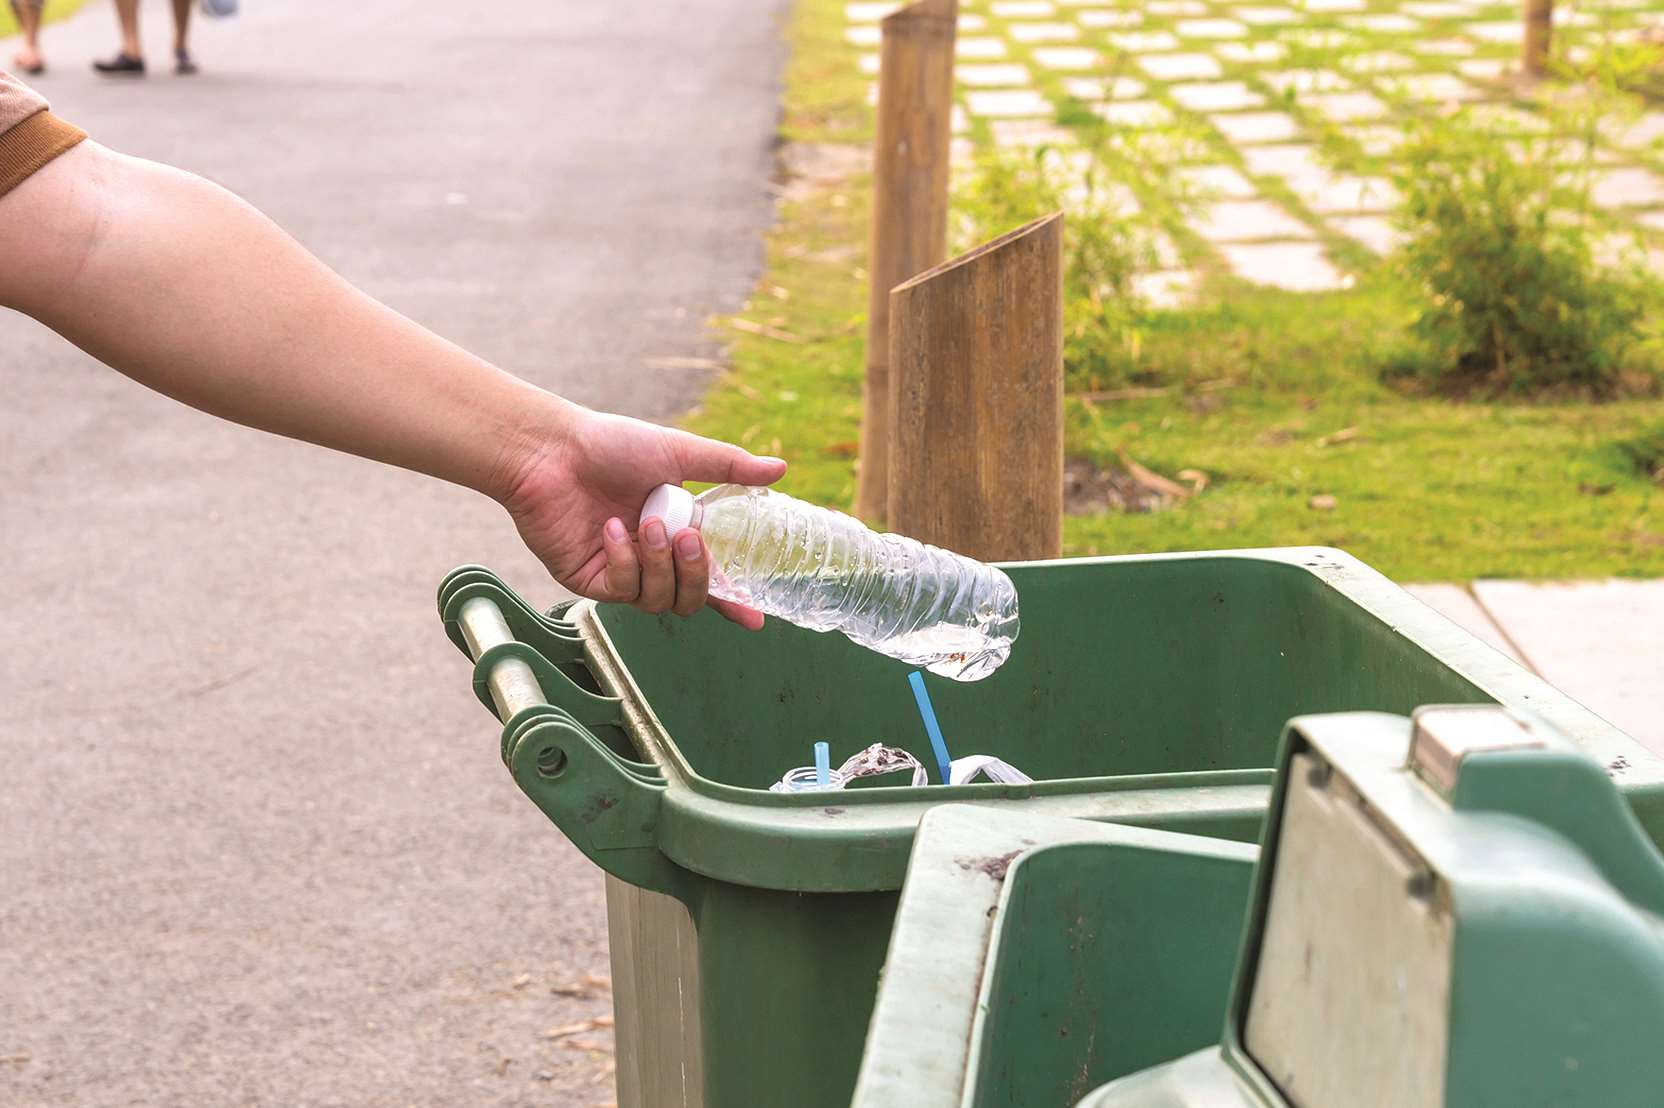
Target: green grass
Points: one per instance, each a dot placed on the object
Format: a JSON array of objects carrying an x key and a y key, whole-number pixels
[
  {"x": 1424, "y": 488},
  {"x": 55, "y": 9}
]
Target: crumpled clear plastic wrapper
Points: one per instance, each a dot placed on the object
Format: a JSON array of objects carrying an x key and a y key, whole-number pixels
[{"x": 878, "y": 759}]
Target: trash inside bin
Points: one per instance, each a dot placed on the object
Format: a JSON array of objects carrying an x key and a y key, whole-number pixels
[{"x": 1144, "y": 690}]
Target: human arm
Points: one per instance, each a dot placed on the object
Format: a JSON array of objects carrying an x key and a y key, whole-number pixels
[{"x": 186, "y": 289}]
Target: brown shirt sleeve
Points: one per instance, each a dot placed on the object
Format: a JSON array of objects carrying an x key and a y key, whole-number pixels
[{"x": 30, "y": 135}]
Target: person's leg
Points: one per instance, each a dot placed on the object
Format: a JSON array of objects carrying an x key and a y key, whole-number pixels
[
  {"x": 127, "y": 12},
  {"x": 131, "y": 58},
  {"x": 28, "y": 57},
  {"x": 181, "y": 35}
]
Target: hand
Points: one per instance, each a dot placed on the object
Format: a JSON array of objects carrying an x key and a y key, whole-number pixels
[{"x": 579, "y": 495}]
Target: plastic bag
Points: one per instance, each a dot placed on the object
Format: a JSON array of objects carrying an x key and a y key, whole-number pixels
[{"x": 878, "y": 759}]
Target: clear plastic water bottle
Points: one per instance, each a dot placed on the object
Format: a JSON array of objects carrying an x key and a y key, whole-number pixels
[{"x": 826, "y": 571}]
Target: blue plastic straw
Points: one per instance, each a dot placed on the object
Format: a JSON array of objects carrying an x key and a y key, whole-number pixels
[
  {"x": 932, "y": 728},
  {"x": 823, "y": 765}
]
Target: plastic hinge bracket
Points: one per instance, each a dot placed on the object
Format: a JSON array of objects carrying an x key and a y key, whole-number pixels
[
  {"x": 589, "y": 709},
  {"x": 611, "y": 816},
  {"x": 528, "y": 718},
  {"x": 556, "y": 639}
]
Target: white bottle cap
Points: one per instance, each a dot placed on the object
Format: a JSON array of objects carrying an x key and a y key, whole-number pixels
[{"x": 671, "y": 503}]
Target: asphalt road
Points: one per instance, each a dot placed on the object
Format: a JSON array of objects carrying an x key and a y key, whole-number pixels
[{"x": 256, "y": 845}]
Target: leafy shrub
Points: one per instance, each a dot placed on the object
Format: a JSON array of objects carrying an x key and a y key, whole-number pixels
[
  {"x": 1104, "y": 251},
  {"x": 1110, "y": 239},
  {"x": 1504, "y": 245},
  {"x": 1645, "y": 452}
]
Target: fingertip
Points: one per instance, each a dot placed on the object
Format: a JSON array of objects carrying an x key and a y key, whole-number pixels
[
  {"x": 747, "y": 617},
  {"x": 614, "y": 531},
  {"x": 623, "y": 571},
  {"x": 763, "y": 470}
]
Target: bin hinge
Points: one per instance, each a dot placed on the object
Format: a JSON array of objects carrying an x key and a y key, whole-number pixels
[{"x": 605, "y": 802}]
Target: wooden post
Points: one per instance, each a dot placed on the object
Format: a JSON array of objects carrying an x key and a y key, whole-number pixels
[
  {"x": 909, "y": 202},
  {"x": 976, "y": 359},
  {"x": 1539, "y": 32}
]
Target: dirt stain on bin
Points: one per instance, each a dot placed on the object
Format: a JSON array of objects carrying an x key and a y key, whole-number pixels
[
  {"x": 598, "y": 807},
  {"x": 994, "y": 867}
]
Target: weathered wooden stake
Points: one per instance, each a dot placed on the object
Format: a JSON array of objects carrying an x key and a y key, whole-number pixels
[
  {"x": 976, "y": 360},
  {"x": 1539, "y": 32},
  {"x": 909, "y": 203}
]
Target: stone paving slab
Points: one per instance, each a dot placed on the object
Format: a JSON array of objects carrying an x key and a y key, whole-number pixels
[
  {"x": 1372, "y": 230},
  {"x": 1345, "y": 193},
  {"x": 1217, "y": 181},
  {"x": 1138, "y": 42},
  {"x": 868, "y": 13},
  {"x": 1457, "y": 604},
  {"x": 1266, "y": 16},
  {"x": 1295, "y": 266},
  {"x": 1448, "y": 48},
  {"x": 1246, "y": 220},
  {"x": 1381, "y": 61},
  {"x": 1624, "y": 187},
  {"x": 1134, "y": 113},
  {"x": 1255, "y": 53},
  {"x": 1102, "y": 18},
  {"x": 978, "y": 47},
  {"x": 1251, "y": 127},
  {"x": 1304, "y": 81},
  {"x": 1601, "y": 642},
  {"x": 1387, "y": 23},
  {"x": 1165, "y": 288},
  {"x": 1284, "y": 159},
  {"x": 1376, "y": 139},
  {"x": 1065, "y": 57},
  {"x": 1094, "y": 88},
  {"x": 992, "y": 75},
  {"x": 1211, "y": 28},
  {"x": 1342, "y": 107},
  {"x": 1043, "y": 32},
  {"x": 1215, "y": 96},
  {"x": 1181, "y": 67},
  {"x": 1029, "y": 132},
  {"x": 1007, "y": 102}
]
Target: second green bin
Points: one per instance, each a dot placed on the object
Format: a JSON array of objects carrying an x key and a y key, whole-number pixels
[{"x": 748, "y": 927}]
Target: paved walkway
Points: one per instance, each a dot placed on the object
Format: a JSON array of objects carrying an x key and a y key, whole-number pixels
[
  {"x": 1250, "y": 93},
  {"x": 256, "y": 844},
  {"x": 1602, "y": 642}
]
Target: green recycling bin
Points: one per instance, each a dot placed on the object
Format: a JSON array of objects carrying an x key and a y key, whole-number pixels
[{"x": 748, "y": 927}]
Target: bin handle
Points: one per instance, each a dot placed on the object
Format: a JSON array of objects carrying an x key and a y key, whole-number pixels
[
  {"x": 556, "y": 639},
  {"x": 606, "y": 804},
  {"x": 483, "y": 615}
]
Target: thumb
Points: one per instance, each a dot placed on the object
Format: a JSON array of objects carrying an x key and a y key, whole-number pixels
[{"x": 705, "y": 459}]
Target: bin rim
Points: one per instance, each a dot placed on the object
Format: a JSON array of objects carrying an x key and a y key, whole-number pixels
[
  {"x": 1489, "y": 670},
  {"x": 714, "y": 828}
]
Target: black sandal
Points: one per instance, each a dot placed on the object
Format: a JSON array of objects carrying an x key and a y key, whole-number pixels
[
  {"x": 182, "y": 63},
  {"x": 121, "y": 65}
]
